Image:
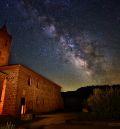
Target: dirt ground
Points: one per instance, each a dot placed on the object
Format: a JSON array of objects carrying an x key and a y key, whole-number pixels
[
  {"x": 70, "y": 121},
  {"x": 77, "y": 126}
]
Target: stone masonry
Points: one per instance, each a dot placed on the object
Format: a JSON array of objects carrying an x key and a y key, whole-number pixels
[{"x": 39, "y": 93}]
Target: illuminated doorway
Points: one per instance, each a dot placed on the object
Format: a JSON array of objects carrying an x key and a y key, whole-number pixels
[{"x": 23, "y": 106}]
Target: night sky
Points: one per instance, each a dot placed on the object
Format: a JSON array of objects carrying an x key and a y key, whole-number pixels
[{"x": 74, "y": 43}]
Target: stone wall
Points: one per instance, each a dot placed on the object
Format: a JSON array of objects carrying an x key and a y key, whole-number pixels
[
  {"x": 40, "y": 94},
  {"x": 9, "y": 107},
  {"x": 2, "y": 80}
]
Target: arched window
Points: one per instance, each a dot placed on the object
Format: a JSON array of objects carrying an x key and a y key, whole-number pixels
[
  {"x": 29, "y": 81},
  {"x": 37, "y": 84},
  {"x": 6, "y": 43}
]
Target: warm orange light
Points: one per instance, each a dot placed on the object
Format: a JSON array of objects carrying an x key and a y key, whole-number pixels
[
  {"x": 3, "y": 96},
  {"x": 23, "y": 109}
]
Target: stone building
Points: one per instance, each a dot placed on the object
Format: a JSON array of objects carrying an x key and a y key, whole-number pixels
[
  {"x": 5, "y": 43},
  {"x": 24, "y": 91}
]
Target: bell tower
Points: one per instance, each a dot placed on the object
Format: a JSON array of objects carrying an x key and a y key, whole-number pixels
[{"x": 5, "y": 45}]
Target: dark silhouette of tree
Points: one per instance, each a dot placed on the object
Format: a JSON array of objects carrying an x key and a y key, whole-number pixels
[{"x": 105, "y": 101}]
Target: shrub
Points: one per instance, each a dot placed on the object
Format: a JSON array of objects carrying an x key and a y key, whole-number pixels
[
  {"x": 105, "y": 102},
  {"x": 7, "y": 126}
]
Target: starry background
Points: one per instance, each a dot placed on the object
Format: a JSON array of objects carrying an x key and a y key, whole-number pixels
[{"x": 74, "y": 43}]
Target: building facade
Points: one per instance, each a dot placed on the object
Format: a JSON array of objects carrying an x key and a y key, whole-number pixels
[{"x": 25, "y": 91}]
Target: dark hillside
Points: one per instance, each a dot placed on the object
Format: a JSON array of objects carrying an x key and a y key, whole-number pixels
[{"x": 74, "y": 100}]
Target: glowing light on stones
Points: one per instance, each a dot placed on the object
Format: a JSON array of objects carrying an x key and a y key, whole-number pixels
[{"x": 3, "y": 95}]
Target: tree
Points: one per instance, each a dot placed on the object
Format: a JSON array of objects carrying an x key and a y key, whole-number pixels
[{"x": 105, "y": 101}]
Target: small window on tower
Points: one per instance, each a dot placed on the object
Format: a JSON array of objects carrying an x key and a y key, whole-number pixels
[
  {"x": 29, "y": 81},
  {"x": 5, "y": 43},
  {"x": 0, "y": 53}
]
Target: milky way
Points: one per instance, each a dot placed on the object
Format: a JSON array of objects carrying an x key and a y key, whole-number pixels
[{"x": 73, "y": 43}]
